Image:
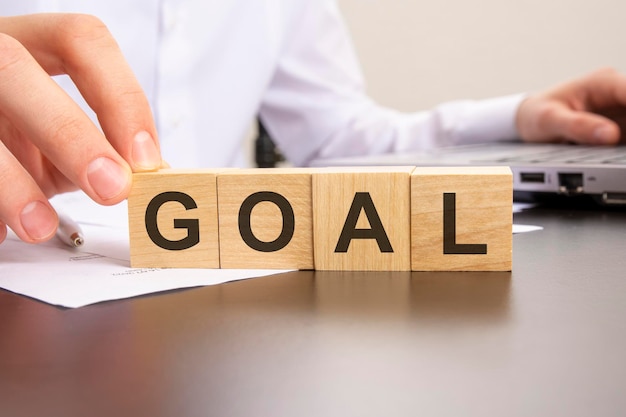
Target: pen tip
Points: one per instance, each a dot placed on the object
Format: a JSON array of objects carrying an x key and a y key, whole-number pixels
[{"x": 77, "y": 240}]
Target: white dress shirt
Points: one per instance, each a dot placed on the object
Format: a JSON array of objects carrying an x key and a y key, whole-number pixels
[{"x": 209, "y": 67}]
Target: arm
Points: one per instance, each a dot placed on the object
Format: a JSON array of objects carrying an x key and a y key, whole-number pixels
[
  {"x": 47, "y": 144},
  {"x": 316, "y": 105}
]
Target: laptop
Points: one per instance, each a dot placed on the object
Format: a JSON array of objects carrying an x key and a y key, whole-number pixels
[{"x": 541, "y": 172}]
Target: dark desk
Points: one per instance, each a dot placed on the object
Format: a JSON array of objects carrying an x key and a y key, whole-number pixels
[{"x": 548, "y": 339}]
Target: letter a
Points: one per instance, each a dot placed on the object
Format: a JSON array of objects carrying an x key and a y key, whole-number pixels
[{"x": 363, "y": 201}]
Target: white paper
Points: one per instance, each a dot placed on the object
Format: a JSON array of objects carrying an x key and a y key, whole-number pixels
[
  {"x": 519, "y": 207},
  {"x": 100, "y": 269},
  {"x": 524, "y": 228}
]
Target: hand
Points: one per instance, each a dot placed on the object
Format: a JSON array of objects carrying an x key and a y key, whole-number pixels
[
  {"x": 48, "y": 145},
  {"x": 587, "y": 110}
]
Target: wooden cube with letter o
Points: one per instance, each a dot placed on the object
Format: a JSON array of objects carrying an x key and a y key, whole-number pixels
[{"x": 265, "y": 218}]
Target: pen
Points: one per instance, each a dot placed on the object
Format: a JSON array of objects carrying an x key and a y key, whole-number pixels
[{"x": 69, "y": 232}]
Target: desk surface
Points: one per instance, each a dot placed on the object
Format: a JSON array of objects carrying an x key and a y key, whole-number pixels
[{"x": 547, "y": 339}]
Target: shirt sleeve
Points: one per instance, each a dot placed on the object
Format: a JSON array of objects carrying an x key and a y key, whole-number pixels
[{"x": 316, "y": 105}]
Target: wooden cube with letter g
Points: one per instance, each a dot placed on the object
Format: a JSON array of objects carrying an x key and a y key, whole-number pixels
[{"x": 172, "y": 218}]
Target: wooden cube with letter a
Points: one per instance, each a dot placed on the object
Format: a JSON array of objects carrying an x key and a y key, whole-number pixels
[
  {"x": 172, "y": 216},
  {"x": 265, "y": 219},
  {"x": 461, "y": 219},
  {"x": 361, "y": 218}
]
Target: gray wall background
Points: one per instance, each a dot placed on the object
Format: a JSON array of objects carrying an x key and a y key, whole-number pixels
[{"x": 418, "y": 53}]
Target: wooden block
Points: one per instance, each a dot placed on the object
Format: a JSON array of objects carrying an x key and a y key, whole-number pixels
[
  {"x": 172, "y": 217},
  {"x": 265, "y": 219},
  {"x": 361, "y": 218},
  {"x": 461, "y": 219}
]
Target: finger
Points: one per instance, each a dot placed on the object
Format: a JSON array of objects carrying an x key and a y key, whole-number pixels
[
  {"x": 24, "y": 207},
  {"x": 3, "y": 232},
  {"x": 82, "y": 47},
  {"x": 49, "y": 179},
  {"x": 579, "y": 126},
  {"x": 42, "y": 112}
]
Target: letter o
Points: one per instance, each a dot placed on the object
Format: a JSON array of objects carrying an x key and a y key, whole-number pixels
[{"x": 245, "y": 211}]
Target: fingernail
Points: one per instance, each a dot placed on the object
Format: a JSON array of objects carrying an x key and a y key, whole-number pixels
[
  {"x": 38, "y": 220},
  {"x": 145, "y": 153},
  {"x": 603, "y": 134},
  {"x": 107, "y": 178}
]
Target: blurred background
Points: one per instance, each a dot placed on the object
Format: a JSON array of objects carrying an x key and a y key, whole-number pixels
[{"x": 417, "y": 53}]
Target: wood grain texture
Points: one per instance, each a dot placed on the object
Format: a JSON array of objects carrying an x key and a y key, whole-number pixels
[
  {"x": 200, "y": 185},
  {"x": 265, "y": 219},
  {"x": 335, "y": 193},
  {"x": 483, "y": 216}
]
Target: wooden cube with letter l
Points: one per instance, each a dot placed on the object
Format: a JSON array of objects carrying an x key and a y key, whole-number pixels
[
  {"x": 172, "y": 217},
  {"x": 265, "y": 218},
  {"x": 361, "y": 218},
  {"x": 461, "y": 219}
]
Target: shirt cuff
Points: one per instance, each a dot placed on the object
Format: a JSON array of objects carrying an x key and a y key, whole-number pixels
[{"x": 489, "y": 120}]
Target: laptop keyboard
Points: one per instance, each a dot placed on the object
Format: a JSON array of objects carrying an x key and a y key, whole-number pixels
[{"x": 575, "y": 155}]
